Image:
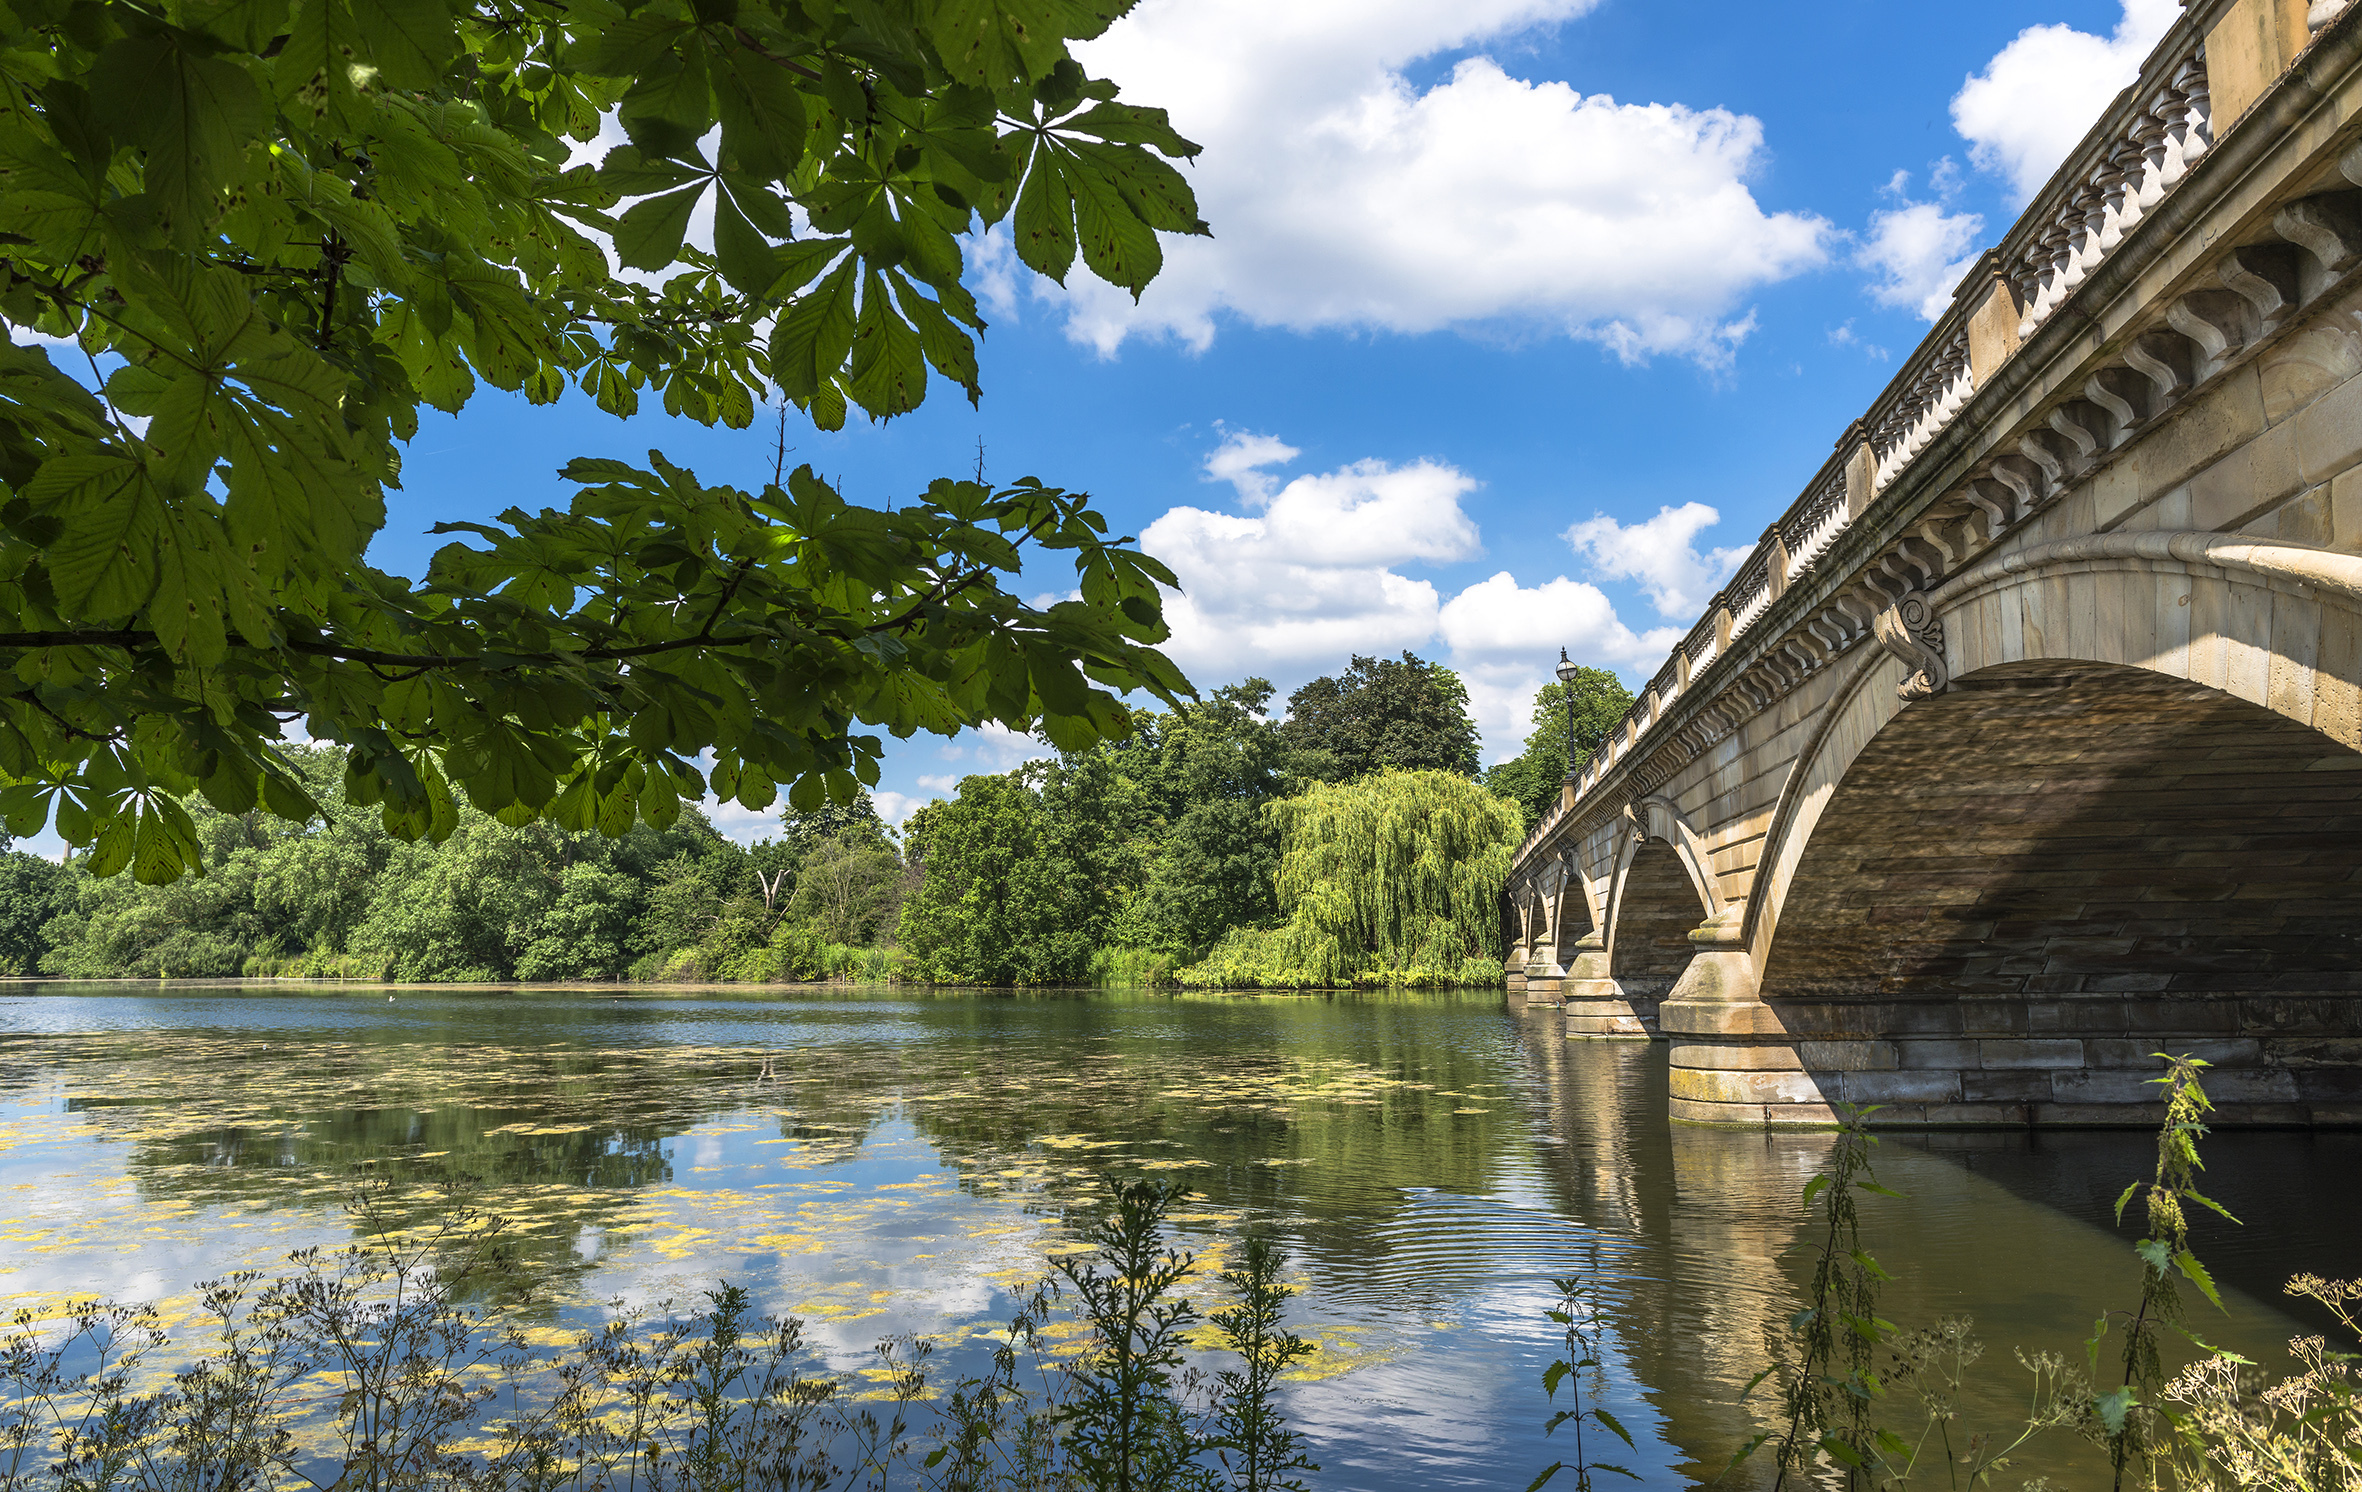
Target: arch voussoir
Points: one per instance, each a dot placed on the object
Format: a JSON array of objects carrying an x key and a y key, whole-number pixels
[{"x": 2128, "y": 821}]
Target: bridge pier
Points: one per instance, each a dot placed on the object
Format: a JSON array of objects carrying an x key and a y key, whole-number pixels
[
  {"x": 1597, "y": 1008},
  {"x": 2027, "y": 743},
  {"x": 1732, "y": 1060},
  {"x": 1544, "y": 978}
]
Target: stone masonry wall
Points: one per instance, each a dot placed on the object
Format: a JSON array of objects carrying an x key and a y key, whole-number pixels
[{"x": 2024, "y": 889}]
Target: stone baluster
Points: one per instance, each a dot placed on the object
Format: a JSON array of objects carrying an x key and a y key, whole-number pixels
[
  {"x": 2050, "y": 254},
  {"x": 2025, "y": 284},
  {"x": 2149, "y": 136},
  {"x": 2197, "y": 135},
  {"x": 2118, "y": 180}
]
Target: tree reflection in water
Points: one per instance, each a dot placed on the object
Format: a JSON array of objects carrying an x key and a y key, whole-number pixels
[{"x": 1429, "y": 1162}]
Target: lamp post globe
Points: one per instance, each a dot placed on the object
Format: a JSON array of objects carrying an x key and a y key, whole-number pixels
[{"x": 1566, "y": 678}]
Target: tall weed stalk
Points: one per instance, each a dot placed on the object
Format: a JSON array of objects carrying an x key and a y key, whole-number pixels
[
  {"x": 1577, "y": 1316},
  {"x": 1825, "y": 1360},
  {"x": 2216, "y": 1425},
  {"x": 2128, "y": 1415},
  {"x": 1248, "y": 1422},
  {"x": 1127, "y": 1427}
]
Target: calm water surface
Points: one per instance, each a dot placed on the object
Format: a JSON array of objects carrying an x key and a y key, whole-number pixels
[{"x": 882, "y": 1161}]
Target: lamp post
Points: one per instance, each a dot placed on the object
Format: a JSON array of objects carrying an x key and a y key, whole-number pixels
[{"x": 1566, "y": 678}]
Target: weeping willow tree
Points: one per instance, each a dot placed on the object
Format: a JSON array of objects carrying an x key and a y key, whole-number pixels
[{"x": 1395, "y": 879}]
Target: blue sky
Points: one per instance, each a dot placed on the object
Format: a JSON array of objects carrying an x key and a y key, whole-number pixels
[{"x": 1521, "y": 320}]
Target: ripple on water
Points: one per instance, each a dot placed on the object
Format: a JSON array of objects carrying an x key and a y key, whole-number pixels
[{"x": 897, "y": 1161}]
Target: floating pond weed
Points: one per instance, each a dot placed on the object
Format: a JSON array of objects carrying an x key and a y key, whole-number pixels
[{"x": 407, "y": 1361}]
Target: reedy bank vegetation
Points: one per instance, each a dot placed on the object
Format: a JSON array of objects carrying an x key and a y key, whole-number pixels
[
  {"x": 1868, "y": 1405},
  {"x": 375, "y": 1368},
  {"x": 1341, "y": 843}
]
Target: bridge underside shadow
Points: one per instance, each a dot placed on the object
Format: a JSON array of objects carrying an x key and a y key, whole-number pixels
[
  {"x": 1656, "y": 907},
  {"x": 2024, "y": 889}
]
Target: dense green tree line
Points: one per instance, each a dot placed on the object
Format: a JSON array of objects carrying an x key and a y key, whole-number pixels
[
  {"x": 1345, "y": 839},
  {"x": 339, "y": 895}
]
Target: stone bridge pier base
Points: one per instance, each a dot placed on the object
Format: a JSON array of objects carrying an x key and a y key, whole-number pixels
[
  {"x": 1733, "y": 1061},
  {"x": 1597, "y": 1008}
]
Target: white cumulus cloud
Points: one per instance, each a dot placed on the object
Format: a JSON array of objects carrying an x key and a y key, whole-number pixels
[
  {"x": 1343, "y": 195},
  {"x": 1313, "y": 572},
  {"x": 1309, "y": 577},
  {"x": 1660, "y": 554},
  {"x": 1921, "y": 253},
  {"x": 2043, "y": 91},
  {"x": 1502, "y": 636}
]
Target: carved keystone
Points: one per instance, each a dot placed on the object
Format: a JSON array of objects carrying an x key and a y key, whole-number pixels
[{"x": 1912, "y": 632}]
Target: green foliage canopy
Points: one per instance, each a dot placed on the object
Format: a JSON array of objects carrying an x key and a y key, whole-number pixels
[
  {"x": 1158, "y": 843},
  {"x": 996, "y": 904},
  {"x": 32, "y": 891},
  {"x": 1393, "y": 879},
  {"x": 847, "y": 889},
  {"x": 270, "y": 231},
  {"x": 341, "y": 895},
  {"x": 1211, "y": 853},
  {"x": 1531, "y": 779},
  {"x": 1408, "y": 715}
]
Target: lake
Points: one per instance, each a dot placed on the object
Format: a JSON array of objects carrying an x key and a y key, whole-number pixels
[{"x": 890, "y": 1160}]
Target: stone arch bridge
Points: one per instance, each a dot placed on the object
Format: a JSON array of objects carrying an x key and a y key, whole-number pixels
[{"x": 2028, "y": 742}]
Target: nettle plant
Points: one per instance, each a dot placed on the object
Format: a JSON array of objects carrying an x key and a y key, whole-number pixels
[{"x": 267, "y": 232}]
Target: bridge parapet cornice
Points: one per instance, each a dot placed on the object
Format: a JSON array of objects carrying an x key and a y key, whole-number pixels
[{"x": 2180, "y": 298}]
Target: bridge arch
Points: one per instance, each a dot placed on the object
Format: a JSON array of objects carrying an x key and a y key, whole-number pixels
[
  {"x": 1661, "y": 888},
  {"x": 2147, "y": 773}
]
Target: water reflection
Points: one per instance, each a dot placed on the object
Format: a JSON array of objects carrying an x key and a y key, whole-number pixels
[
  {"x": 2014, "y": 1230},
  {"x": 886, "y": 1160}
]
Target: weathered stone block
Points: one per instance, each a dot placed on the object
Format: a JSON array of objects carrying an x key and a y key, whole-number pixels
[
  {"x": 1727, "y": 1087},
  {"x": 2247, "y": 49},
  {"x": 1981, "y": 1115},
  {"x": 1720, "y": 1057},
  {"x": 1899, "y": 1087},
  {"x": 2256, "y": 477},
  {"x": 2005, "y": 1087},
  {"x": 1751, "y": 1116},
  {"x": 2240, "y": 1052},
  {"x": 2301, "y": 1052},
  {"x": 1935, "y": 1054},
  {"x": 1847, "y": 1056},
  {"x": 2303, "y": 519},
  {"x": 2263, "y": 1115},
  {"x": 2047, "y": 1052},
  {"x": 2345, "y": 511},
  {"x": 2252, "y": 1084},
  {"x": 2094, "y": 1017},
  {"x": 2182, "y": 1017},
  {"x": 1920, "y": 1018},
  {"x": 1737, "y": 1018},
  {"x": 2329, "y": 435},
  {"x": 2104, "y": 1086},
  {"x": 2285, "y": 1015},
  {"x": 2201, "y": 434},
  {"x": 1993, "y": 1017}
]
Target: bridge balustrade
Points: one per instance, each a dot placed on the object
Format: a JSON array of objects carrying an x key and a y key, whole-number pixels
[{"x": 2028, "y": 739}]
